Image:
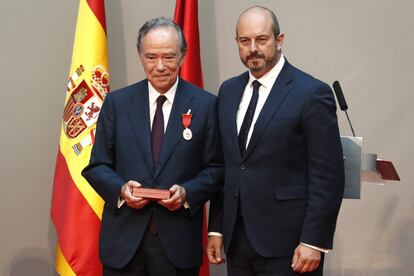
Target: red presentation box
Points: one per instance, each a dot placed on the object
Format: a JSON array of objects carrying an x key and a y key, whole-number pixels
[{"x": 151, "y": 193}]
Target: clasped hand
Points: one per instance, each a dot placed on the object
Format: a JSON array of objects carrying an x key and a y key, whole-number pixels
[{"x": 177, "y": 199}]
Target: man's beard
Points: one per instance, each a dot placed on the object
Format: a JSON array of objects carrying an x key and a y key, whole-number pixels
[{"x": 258, "y": 67}]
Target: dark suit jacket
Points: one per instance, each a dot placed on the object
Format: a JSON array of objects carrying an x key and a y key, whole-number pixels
[
  {"x": 122, "y": 152},
  {"x": 290, "y": 180}
]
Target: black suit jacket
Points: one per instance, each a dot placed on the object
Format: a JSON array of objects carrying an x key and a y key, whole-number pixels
[
  {"x": 122, "y": 152},
  {"x": 290, "y": 180}
]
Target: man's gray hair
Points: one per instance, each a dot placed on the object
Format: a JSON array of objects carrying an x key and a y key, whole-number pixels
[{"x": 161, "y": 22}]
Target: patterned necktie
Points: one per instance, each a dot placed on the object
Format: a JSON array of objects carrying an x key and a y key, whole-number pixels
[
  {"x": 157, "y": 133},
  {"x": 248, "y": 118}
]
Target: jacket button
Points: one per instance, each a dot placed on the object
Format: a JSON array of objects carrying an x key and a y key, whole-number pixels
[
  {"x": 242, "y": 166},
  {"x": 236, "y": 195}
]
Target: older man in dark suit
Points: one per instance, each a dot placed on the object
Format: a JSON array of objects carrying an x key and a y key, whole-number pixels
[
  {"x": 158, "y": 133},
  {"x": 284, "y": 176}
]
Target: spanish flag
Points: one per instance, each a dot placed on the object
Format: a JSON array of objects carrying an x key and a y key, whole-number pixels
[{"x": 76, "y": 208}]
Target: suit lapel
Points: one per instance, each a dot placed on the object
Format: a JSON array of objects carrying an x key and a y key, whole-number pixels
[
  {"x": 229, "y": 118},
  {"x": 138, "y": 114},
  {"x": 280, "y": 90},
  {"x": 173, "y": 133}
]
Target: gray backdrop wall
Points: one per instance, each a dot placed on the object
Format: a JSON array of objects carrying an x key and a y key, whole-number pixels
[{"x": 367, "y": 45}]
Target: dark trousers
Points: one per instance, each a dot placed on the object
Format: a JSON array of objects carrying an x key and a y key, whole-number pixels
[
  {"x": 150, "y": 260},
  {"x": 243, "y": 260}
]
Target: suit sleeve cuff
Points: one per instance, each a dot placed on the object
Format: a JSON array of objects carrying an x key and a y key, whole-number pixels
[{"x": 316, "y": 248}]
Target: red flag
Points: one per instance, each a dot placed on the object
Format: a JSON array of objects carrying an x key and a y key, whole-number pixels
[
  {"x": 76, "y": 208},
  {"x": 186, "y": 16}
]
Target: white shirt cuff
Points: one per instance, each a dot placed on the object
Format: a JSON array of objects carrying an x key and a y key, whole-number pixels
[
  {"x": 316, "y": 248},
  {"x": 217, "y": 234},
  {"x": 120, "y": 202}
]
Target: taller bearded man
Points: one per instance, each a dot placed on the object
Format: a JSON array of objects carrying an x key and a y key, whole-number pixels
[{"x": 284, "y": 171}]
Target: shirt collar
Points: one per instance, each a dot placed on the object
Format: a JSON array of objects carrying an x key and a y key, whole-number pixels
[
  {"x": 268, "y": 79},
  {"x": 154, "y": 94}
]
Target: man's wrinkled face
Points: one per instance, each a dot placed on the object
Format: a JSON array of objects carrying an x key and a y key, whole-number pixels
[{"x": 161, "y": 57}]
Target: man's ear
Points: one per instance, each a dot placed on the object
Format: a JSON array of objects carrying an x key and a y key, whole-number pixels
[
  {"x": 279, "y": 41},
  {"x": 182, "y": 58}
]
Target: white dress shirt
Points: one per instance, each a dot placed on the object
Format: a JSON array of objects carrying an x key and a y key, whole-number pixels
[
  {"x": 166, "y": 107},
  {"x": 267, "y": 81}
]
